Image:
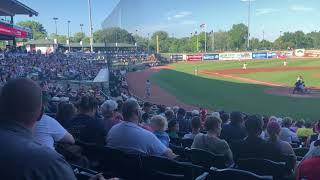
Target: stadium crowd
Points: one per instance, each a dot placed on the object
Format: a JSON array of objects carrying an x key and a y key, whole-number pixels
[{"x": 43, "y": 130}]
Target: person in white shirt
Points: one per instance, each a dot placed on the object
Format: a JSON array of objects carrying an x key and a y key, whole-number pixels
[{"x": 47, "y": 131}]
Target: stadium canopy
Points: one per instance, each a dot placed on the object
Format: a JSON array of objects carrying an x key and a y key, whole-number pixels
[{"x": 14, "y": 7}]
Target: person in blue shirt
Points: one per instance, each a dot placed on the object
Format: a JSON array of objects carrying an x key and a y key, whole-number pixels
[
  {"x": 159, "y": 125},
  {"x": 129, "y": 137}
]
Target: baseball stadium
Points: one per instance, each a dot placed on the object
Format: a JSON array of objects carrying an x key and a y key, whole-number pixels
[{"x": 160, "y": 90}]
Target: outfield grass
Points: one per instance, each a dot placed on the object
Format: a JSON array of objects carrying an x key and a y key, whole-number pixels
[{"x": 220, "y": 93}]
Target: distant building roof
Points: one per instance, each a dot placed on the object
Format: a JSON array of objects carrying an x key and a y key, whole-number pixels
[
  {"x": 40, "y": 42},
  {"x": 77, "y": 45},
  {"x": 98, "y": 45},
  {"x": 14, "y": 7}
]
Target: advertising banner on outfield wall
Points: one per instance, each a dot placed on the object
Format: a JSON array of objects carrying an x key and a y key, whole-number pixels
[
  {"x": 260, "y": 55},
  {"x": 235, "y": 56},
  {"x": 229, "y": 56},
  {"x": 176, "y": 57},
  {"x": 271, "y": 55},
  {"x": 312, "y": 53},
  {"x": 212, "y": 56},
  {"x": 194, "y": 57},
  {"x": 299, "y": 52},
  {"x": 246, "y": 55}
]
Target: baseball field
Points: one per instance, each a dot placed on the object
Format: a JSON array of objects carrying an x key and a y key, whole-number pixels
[{"x": 264, "y": 87}]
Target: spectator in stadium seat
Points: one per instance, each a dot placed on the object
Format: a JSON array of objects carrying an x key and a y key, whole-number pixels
[
  {"x": 234, "y": 131},
  {"x": 128, "y": 136},
  {"x": 254, "y": 146},
  {"x": 305, "y": 131},
  {"x": 273, "y": 129},
  {"x": 173, "y": 129},
  {"x": 159, "y": 125},
  {"x": 48, "y": 130},
  {"x": 196, "y": 125},
  {"x": 211, "y": 141},
  {"x": 225, "y": 118},
  {"x": 315, "y": 136},
  {"x": 84, "y": 127},
  {"x": 21, "y": 157},
  {"x": 147, "y": 107},
  {"x": 310, "y": 165},
  {"x": 65, "y": 113},
  {"x": 108, "y": 112},
  {"x": 169, "y": 114},
  {"x": 264, "y": 134},
  {"x": 286, "y": 134},
  {"x": 184, "y": 124}
]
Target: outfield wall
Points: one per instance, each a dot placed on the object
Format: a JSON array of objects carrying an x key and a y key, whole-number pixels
[{"x": 227, "y": 56}]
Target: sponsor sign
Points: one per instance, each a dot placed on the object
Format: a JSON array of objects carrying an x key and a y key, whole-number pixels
[
  {"x": 208, "y": 57},
  {"x": 299, "y": 52},
  {"x": 235, "y": 56},
  {"x": 246, "y": 55},
  {"x": 229, "y": 56},
  {"x": 260, "y": 55},
  {"x": 11, "y": 31},
  {"x": 312, "y": 53},
  {"x": 194, "y": 57},
  {"x": 271, "y": 55},
  {"x": 177, "y": 57}
]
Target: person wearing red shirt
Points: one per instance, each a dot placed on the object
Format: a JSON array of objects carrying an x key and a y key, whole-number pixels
[{"x": 309, "y": 169}]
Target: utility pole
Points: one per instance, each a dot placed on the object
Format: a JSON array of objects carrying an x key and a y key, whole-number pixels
[
  {"x": 69, "y": 35},
  {"x": 158, "y": 46},
  {"x": 212, "y": 40},
  {"x": 81, "y": 28},
  {"x": 249, "y": 14},
  {"x": 90, "y": 24},
  {"x": 55, "y": 22}
]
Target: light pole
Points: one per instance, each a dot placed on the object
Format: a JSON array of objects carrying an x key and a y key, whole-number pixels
[
  {"x": 249, "y": 15},
  {"x": 212, "y": 40},
  {"x": 90, "y": 24},
  {"x": 81, "y": 28},
  {"x": 263, "y": 40},
  {"x": 280, "y": 42},
  {"x": 196, "y": 33},
  {"x": 55, "y": 22},
  {"x": 69, "y": 35},
  {"x": 148, "y": 43}
]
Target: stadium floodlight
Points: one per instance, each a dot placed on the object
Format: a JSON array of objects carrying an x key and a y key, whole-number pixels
[
  {"x": 55, "y": 22},
  {"x": 203, "y": 27},
  {"x": 69, "y": 34},
  {"x": 249, "y": 14},
  {"x": 90, "y": 24}
]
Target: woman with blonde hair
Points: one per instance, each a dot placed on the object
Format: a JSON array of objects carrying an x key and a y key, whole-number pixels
[{"x": 159, "y": 125}]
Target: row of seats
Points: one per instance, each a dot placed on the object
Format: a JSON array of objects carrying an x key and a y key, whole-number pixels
[{"x": 191, "y": 164}]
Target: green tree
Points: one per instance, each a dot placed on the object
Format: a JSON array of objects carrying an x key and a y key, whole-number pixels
[
  {"x": 113, "y": 35},
  {"x": 221, "y": 40},
  {"x": 238, "y": 35},
  {"x": 79, "y": 36},
  {"x": 163, "y": 41},
  {"x": 61, "y": 39},
  {"x": 37, "y": 28}
]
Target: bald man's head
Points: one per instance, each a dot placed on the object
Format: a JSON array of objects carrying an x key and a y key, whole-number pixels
[{"x": 21, "y": 101}]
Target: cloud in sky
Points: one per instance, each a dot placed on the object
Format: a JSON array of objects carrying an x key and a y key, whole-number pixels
[
  {"x": 266, "y": 11},
  {"x": 179, "y": 15},
  {"x": 300, "y": 8}
]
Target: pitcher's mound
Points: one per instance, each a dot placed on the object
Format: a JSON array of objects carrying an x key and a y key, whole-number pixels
[{"x": 286, "y": 91}]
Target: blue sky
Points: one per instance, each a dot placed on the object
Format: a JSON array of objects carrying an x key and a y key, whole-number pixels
[{"x": 181, "y": 17}]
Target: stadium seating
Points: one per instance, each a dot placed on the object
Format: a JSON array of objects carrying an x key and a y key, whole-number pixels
[
  {"x": 234, "y": 174},
  {"x": 207, "y": 159},
  {"x": 155, "y": 167},
  {"x": 263, "y": 167}
]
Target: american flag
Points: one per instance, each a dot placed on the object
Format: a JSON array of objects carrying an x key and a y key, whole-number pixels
[{"x": 202, "y": 26}]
